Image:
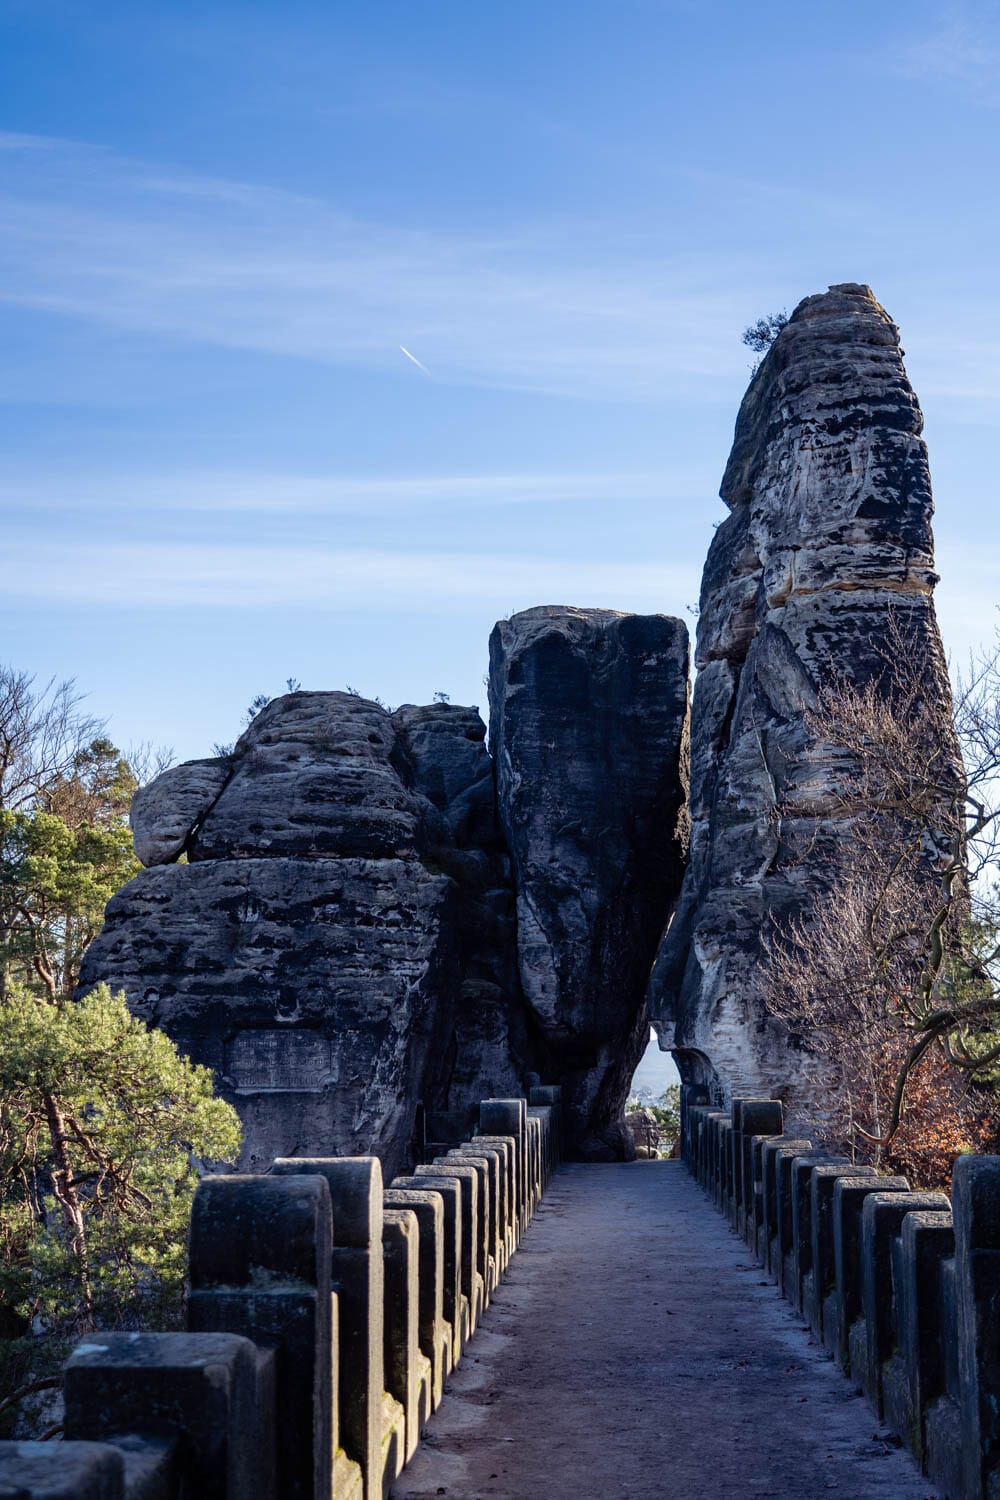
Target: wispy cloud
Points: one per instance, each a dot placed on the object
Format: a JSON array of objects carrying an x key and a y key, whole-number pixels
[
  {"x": 221, "y": 576},
  {"x": 963, "y": 48},
  {"x": 87, "y": 234},
  {"x": 35, "y": 489}
]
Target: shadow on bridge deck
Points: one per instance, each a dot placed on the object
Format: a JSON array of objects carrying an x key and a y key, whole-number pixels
[{"x": 635, "y": 1352}]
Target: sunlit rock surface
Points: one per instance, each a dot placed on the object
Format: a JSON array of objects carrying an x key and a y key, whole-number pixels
[
  {"x": 828, "y": 540},
  {"x": 588, "y": 728}
]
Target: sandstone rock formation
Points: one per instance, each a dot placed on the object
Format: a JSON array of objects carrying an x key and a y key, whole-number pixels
[
  {"x": 341, "y": 941},
  {"x": 829, "y": 539},
  {"x": 588, "y": 728},
  {"x": 340, "y": 944}
]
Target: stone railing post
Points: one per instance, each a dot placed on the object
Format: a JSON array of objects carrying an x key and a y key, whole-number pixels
[
  {"x": 550, "y": 1095},
  {"x": 449, "y": 1190},
  {"x": 976, "y": 1207},
  {"x": 473, "y": 1243},
  {"x": 726, "y": 1165},
  {"x": 507, "y": 1117},
  {"x": 915, "y": 1381},
  {"x": 795, "y": 1200},
  {"x": 700, "y": 1142},
  {"x": 210, "y": 1396},
  {"x": 844, "y": 1307},
  {"x": 692, "y": 1094},
  {"x": 496, "y": 1161},
  {"x": 401, "y": 1349},
  {"x": 259, "y": 1265},
  {"x": 464, "y": 1181},
  {"x": 372, "y": 1424},
  {"x": 487, "y": 1166},
  {"x": 65, "y": 1471},
  {"x": 694, "y": 1115},
  {"x": 876, "y": 1335},
  {"x": 544, "y": 1116},
  {"x": 533, "y": 1139},
  {"x": 752, "y": 1117},
  {"x": 505, "y": 1145},
  {"x": 819, "y": 1283},
  {"x": 433, "y": 1333},
  {"x": 713, "y": 1183},
  {"x": 778, "y": 1156}
]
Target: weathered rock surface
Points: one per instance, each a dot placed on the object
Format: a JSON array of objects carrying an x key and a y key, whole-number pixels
[
  {"x": 588, "y": 726},
  {"x": 829, "y": 540},
  {"x": 341, "y": 944},
  {"x": 311, "y": 987},
  {"x": 313, "y": 775},
  {"x": 165, "y": 813}
]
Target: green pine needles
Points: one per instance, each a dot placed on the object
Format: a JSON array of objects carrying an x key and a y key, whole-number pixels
[{"x": 104, "y": 1129}]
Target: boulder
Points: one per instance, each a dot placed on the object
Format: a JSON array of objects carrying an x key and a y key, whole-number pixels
[
  {"x": 166, "y": 811},
  {"x": 340, "y": 945},
  {"x": 588, "y": 728},
  {"x": 313, "y": 776}
]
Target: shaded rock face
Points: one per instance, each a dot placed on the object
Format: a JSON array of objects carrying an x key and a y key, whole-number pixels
[
  {"x": 588, "y": 726},
  {"x": 828, "y": 541},
  {"x": 341, "y": 943}
]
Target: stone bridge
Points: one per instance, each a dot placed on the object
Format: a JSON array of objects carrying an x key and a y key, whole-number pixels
[{"x": 346, "y": 1340}]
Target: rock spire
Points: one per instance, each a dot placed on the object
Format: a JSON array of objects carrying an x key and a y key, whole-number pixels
[{"x": 828, "y": 540}]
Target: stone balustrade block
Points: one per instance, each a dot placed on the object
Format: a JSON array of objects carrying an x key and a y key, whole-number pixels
[
  {"x": 61, "y": 1471},
  {"x": 449, "y": 1190},
  {"x": 820, "y": 1281},
  {"x": 879, "y": 1326},
  {"x": 372, "y": 1425},
  {"x": 771, "y": 1244},
  {"x": 210, "y": 1394},
  {"x": 401, "y": 1349},
  {"x": 259, "y": 1251},
  {"x": 843, "y": 1306},
  {"x": 433, "y": 1333},
  {"x": 976, "y": 1209}
]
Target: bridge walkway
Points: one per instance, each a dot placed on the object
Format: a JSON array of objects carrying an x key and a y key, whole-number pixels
[{"x": 634, "y": 1351}]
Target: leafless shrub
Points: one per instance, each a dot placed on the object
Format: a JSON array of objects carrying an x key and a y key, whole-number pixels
[{"x": 894, "y": 975}]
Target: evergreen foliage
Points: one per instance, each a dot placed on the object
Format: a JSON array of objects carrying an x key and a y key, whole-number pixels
[{"x": 103, "y": 1125}]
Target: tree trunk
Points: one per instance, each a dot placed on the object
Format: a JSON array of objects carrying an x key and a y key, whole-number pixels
[{"x": 69, "y": 1201}]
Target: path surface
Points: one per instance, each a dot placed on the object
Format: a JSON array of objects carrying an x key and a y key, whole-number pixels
[{"x": 635, "y": 1352}]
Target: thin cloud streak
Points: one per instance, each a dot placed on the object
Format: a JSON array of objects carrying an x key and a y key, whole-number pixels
[
  {"x": 413, "y": 359},
  {"x": 964, "y": 50},
  {"x": 563, "y": 308},
  {"x": 174, "y": 576},
  {"x": 251, "y": 492}
]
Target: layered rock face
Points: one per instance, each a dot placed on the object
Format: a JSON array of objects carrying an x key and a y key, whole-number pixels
[
  {"x": 828, "y": 543},
  {"x": 341, "y": 942},
  {"x": 588, "y": 729}
]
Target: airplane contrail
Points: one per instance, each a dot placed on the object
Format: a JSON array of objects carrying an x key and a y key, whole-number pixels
[{"x": 414, "y": 359}]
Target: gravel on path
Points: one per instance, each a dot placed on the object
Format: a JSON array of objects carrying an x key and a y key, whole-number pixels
[{"x": 635, "y": 1351}]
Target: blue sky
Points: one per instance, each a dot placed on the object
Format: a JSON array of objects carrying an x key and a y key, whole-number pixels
[{"x": 219, "y": 223}]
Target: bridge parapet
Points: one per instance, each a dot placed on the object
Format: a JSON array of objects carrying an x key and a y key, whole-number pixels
[
  {"x": 902, "y": 1287},
  {"x": 321, "y": 1326}
]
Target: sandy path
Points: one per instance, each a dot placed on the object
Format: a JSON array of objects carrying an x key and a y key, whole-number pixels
[{"x": 635, "y": 1352}]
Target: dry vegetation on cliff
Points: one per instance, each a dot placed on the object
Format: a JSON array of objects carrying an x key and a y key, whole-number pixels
[{"x": 893, "y": 976}]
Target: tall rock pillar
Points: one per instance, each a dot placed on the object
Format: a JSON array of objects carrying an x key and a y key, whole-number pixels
[
  {"x": 827, "y": 544},
  {"x": 588, "y": 729}
]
